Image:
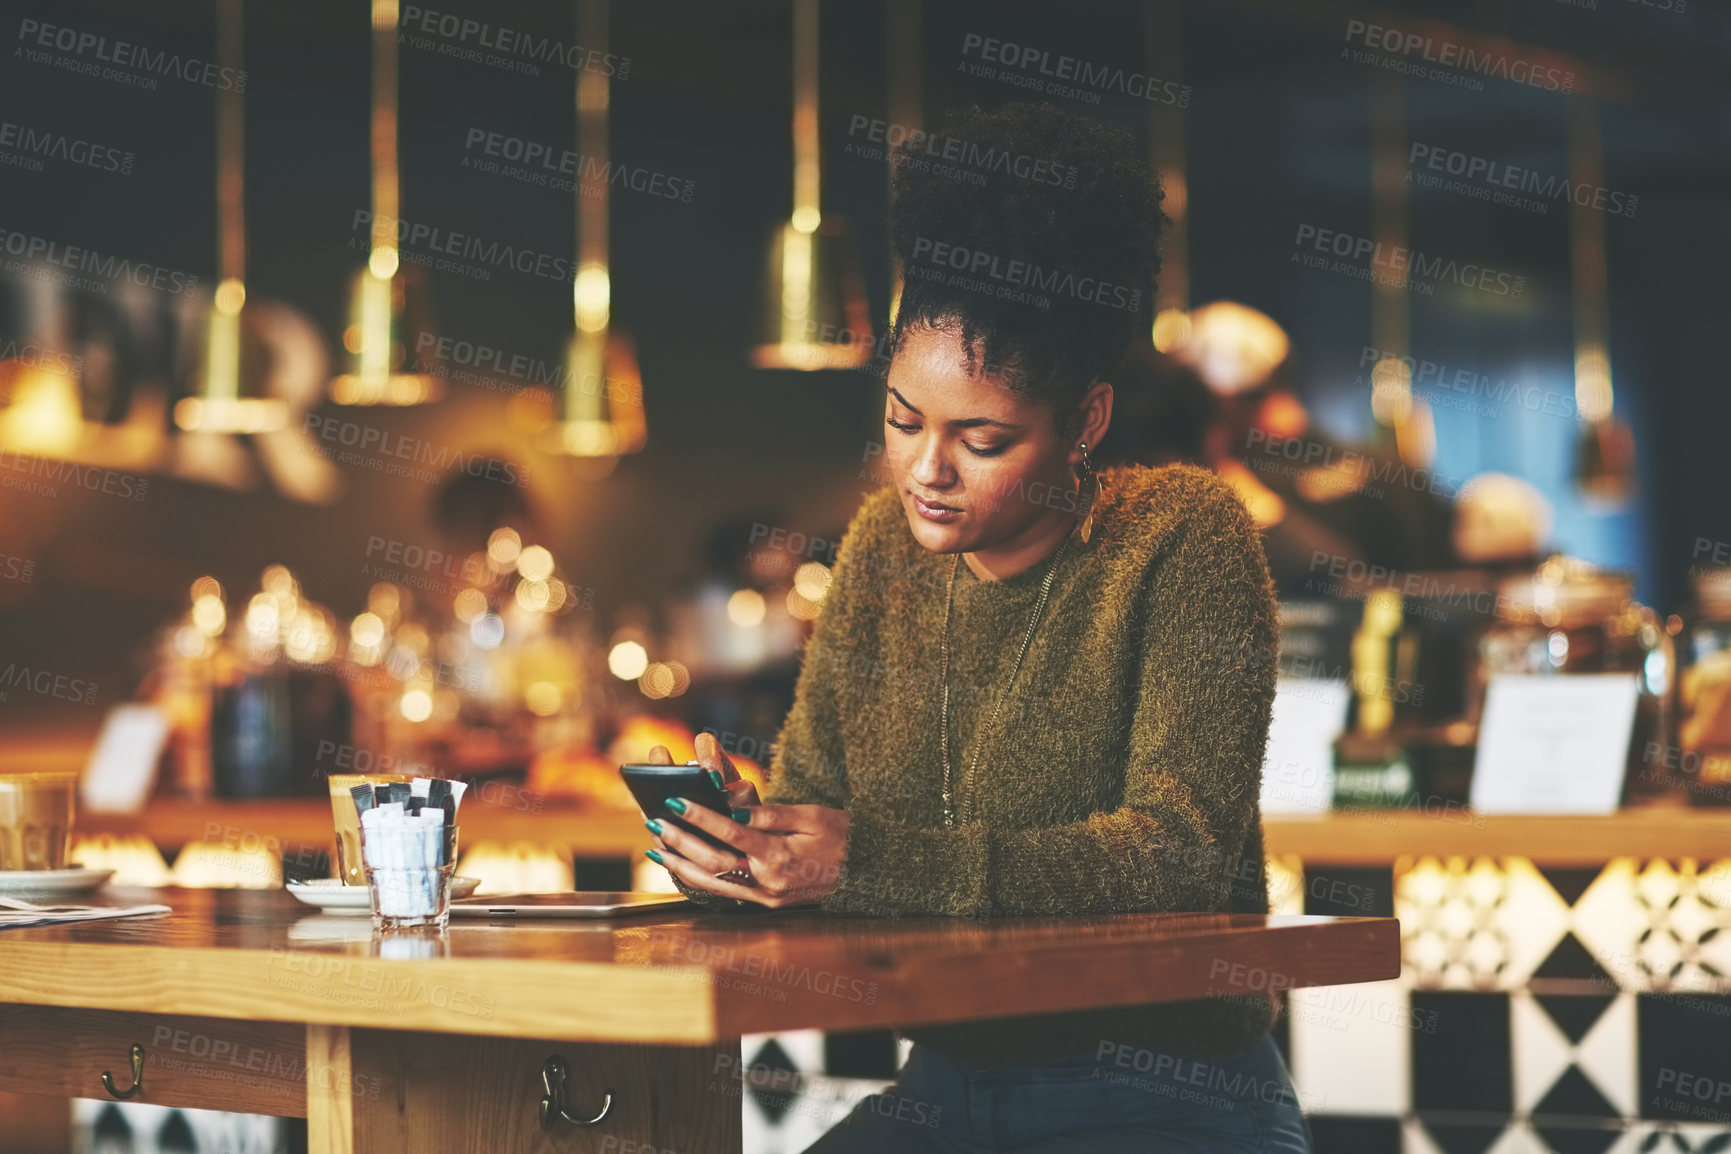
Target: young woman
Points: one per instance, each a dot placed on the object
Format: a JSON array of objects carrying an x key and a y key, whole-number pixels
[{"x": 1034, "y": 689}]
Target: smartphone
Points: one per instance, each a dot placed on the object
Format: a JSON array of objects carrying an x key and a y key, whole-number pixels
[{"x": 652, "y": 785}]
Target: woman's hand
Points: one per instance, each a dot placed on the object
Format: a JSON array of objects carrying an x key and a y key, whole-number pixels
[
  {"x": 740, "y": 793},
  {"x": 794, "y": 852}
]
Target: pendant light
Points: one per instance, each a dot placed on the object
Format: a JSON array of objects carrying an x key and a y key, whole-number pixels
[
  {"x": 603, "y": 405},
  {"x": 1605, "y": 453},
  {"x": 390, "y": 299},
  {"x": 814, "y": 313},
  {"x": 1391, "y": 399},
  {"x": 1165, "y": 28},
  {"x": 905, "y": 99},
  {"x": 219, "y": 406}
]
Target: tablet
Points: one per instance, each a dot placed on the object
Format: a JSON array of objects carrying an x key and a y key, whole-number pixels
[{"x": 575, "y": 904}]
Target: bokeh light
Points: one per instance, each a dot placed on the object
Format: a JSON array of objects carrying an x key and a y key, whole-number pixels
[
  {"x": 746, "y": 608},
  {"x": 417, "y": 705},
  {"x": 468, "y": 605},
  {"x": 627, "y": 660},
  {"x": 543, "y": 698},
  {"x": 367, "y": 630},
  {"x": 487, "y": 630},
  {"x": 812, "y": 580},
  {"x": 503, "y": 547},
  {"x": 535, "y": 563},
  {"x": 209, "y": 615}
]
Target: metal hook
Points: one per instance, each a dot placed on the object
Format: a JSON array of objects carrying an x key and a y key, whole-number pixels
[
  {"x": 555, "y": 1075},
  {"x": 137, "y": 1086}
]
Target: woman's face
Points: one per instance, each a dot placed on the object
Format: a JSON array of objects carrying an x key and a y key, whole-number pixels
[{"x": 977, "y": 464}]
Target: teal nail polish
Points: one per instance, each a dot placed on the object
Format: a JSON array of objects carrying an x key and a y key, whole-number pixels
[
  {"x": 742, "y": 816},
  {"x": 678, "y": 804},
  {"x": 653, "y": 856},
  {"x": 715, "y": 776},
  {"x": 653, "y": 827}
]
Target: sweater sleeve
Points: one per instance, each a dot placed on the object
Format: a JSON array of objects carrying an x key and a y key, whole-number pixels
[
  {"x": 1204, "y": 692},
  {"x": 807, "y": 767}
]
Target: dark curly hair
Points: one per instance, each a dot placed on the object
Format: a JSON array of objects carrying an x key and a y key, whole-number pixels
[{"x": 1035, "y": 234}]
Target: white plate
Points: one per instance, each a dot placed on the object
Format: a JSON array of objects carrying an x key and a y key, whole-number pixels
[
  {"x": 333, "y": 896},
  {"x": 52, "y": 883}
]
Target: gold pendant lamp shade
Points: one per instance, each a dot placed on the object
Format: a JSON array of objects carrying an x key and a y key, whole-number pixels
[
  {"x": 813, "y": 314},
  {"x": 1605, "y": 451},
  {"x": 390, "y": 299},
  {"x": 227, "y": 398},
  {"x": 603, "y": 414},
  {"x": 386, "y": 312},
  {"x": 603, "y": 404}
]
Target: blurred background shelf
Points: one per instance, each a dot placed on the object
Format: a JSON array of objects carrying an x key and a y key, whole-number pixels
[{"x": 589, "y": 832}]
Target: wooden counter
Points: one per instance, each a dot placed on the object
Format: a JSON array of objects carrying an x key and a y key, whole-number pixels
[
  {"x": 1379, "y": 837},
  {"x": 426, "y": 1042},
  {"x": 1369, "y": 838}
]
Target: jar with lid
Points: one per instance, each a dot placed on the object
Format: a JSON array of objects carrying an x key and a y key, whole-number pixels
[{"x": 1568, "y": 617}]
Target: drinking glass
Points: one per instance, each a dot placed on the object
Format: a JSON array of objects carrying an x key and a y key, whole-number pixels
[
  {"x": 404, "y": 886},
  {"x": 36, "y": 820}
]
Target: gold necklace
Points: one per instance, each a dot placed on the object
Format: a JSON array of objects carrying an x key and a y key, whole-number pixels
[{"x": 985, "y": 730}]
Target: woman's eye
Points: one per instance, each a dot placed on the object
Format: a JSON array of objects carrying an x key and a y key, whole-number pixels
[{"x": 976, "y": 450}]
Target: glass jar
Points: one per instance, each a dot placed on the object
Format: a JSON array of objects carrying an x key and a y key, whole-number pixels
[
  {"x": 1702, "y": 758},
  {"x": 1569, "y": 617}
]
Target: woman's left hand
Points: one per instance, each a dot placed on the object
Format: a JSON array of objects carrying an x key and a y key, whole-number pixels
[{"x": 794, "y": 852}]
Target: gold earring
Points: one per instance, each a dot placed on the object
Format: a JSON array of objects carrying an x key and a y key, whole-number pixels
[{"x": 1086, "y": 474}]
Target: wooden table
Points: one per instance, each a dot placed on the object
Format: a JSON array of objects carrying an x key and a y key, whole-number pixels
[{"x": 246, "y": 1000}]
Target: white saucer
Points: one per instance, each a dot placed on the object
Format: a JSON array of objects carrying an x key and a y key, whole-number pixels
[
  {"x": 332, "y": 896},
  {"x": 52, "y": 883}
]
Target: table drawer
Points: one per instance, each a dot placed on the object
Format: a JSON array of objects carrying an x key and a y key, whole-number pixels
[{"x": 205, "y": 1063}]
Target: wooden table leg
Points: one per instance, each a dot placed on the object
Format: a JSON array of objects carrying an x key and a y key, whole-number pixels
[
  {"x": 372, "y": 1090},
  {"x": 330, "y": 1115}
]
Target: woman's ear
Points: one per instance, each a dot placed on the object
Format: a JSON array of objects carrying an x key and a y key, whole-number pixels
[{"x": 1096, "y": 409}]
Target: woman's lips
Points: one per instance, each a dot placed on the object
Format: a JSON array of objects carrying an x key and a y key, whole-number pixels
[{"x": 942, "y": 514}]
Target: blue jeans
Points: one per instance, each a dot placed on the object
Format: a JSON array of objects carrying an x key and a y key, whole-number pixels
[{"x": 1130, "y": 1098}]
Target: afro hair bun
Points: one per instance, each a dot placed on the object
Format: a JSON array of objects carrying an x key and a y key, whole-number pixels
[{"x": 1035, "y": 235}]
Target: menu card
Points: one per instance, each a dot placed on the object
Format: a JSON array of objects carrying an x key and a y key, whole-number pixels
[
  {"x": 122, "y": 767},
  {"x": 16, "y": 913},
  {"x": 1554, "y": 744},
  {"x": 1298, "y": 768}
]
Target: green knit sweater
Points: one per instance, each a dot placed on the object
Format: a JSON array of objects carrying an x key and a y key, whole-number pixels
[{"x": 1124, "y": 771}]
